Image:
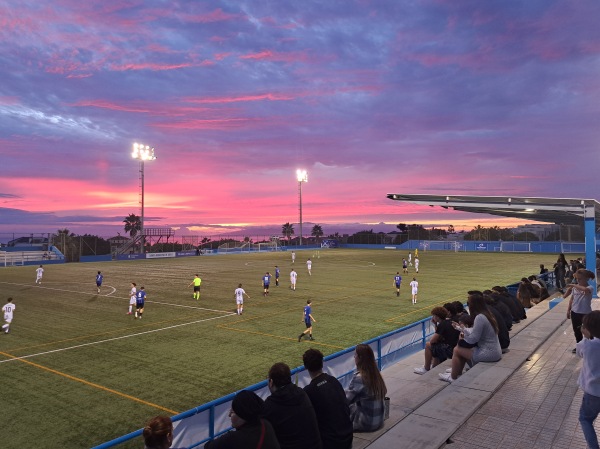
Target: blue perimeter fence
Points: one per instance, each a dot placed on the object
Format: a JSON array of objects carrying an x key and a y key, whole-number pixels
[
  {"x": 195, "y": 427},
  {"x": 200, "y": 424}
]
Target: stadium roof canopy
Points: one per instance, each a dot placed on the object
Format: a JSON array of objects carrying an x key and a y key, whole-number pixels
[{"x": 568, "y": 211}]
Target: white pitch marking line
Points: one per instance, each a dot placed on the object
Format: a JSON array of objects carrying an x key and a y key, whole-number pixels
[
  {"x": 118, "y": 297},
  {"x": 115, "y": 338}
]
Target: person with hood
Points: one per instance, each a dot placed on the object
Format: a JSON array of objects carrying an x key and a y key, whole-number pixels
[
  {"x": 290, "y": 411},
  {"x": 251, "y": 431}
]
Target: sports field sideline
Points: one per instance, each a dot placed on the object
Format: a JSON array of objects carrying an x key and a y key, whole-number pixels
[{"x": 77, "y": 370}]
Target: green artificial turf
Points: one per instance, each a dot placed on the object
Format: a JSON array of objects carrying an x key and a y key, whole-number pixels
[{"x": 77, "y": 370}]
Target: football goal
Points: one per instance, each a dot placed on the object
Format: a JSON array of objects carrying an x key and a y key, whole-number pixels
[
  {"x": 515, "y": 247},
  {"x": 572, "y": 247}
]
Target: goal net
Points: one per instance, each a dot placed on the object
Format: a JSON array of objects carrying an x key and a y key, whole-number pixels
[
  {"x": 572, "y": 247},
  {"x": 515, "y": 247}
]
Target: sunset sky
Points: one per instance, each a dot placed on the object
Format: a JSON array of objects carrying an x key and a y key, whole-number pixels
[{"x": 464, "y": 97}]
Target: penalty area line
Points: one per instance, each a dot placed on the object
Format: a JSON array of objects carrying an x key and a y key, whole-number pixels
[{"x": 137, "y": 334}]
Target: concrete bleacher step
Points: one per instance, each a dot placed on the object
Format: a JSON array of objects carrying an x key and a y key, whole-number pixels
[{"x": 425, "y": 412}]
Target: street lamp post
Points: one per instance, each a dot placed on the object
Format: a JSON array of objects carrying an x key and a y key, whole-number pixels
[
  {"x": 142, "y": 153},
  {"x": 302, "y": 176}
]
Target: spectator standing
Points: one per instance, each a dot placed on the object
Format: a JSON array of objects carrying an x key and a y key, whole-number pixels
[
  {"x": 589, "y": 376},
  {"x": 580, "y": 303},
  {"x": 329, "y": 401},
  {"x": 366, "y": 392},
  {"x": 290, "y": 412},
  {"x": 560, "y": 269},
  {"x": 251, "y": 431}
]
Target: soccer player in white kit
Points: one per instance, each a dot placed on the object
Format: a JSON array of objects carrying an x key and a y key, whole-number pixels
[
  {"x": 293, "y": 278},
  {"x": 239, "y": 298},
  {"x": 417, "y": 264},
  {"x": 414, "y": 285},
  {"x": 309, "y": 266},
  {"x": 132, "y": 294},
  {"x": 7, "y": 310},
  {"x": 410, "y": 259},
  {"x": 39, "y": 273},
  {"x": 293, "y": 256}
]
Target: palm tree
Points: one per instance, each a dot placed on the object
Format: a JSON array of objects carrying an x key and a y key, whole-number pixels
[
  {"x": 133, "y": 224},
  {"x": 317, "y": 231},
  {"x": 288, "y": 230}
]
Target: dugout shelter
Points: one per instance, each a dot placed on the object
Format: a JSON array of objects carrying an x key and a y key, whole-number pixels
[{"x": 567, "y": 211}]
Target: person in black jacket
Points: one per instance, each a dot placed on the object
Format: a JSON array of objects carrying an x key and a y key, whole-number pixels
[
  {"x": 290, "y": 412},
  {"x": 329, "y": 401},
  {"x": 251, "y": 432}
]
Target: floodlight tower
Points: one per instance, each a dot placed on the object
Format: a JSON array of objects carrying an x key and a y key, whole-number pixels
[
  {"x": 302, "y": 176},
  {"x": 142, "y": 153}
]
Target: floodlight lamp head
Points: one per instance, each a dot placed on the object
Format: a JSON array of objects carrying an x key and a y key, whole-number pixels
[
  {"x": 143, "y": 152},
  {"x": 301, "y": 175}
]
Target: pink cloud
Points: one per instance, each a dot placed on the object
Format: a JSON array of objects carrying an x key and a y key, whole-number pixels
[
  {"x": 243, "y": 98},
  {"x": 218, "y": 15},
  {"x": 154, "y": 66},
  {"x": 215, "y": 124},
  {"x": 8, "y": 100},
  {"x": 268, "y": 55}
]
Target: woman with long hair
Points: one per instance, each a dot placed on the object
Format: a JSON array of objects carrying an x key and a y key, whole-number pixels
[
  {"x": 560, "y": 269},
  {"x": 526, "y": 294},
  {"x": 477, "y": 344},
  {"x": 366, "y": 392}
]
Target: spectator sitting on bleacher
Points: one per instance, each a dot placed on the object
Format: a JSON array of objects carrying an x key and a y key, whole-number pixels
[
  {"x": 158, "y": 433},
  {"x": 492, "y": 299},
  {"x": 526, "y": 294},
  {"x": 439, "y": 348},
  {"x": 540, "y": 287},
  {"x": 503, "y": 335},
  {"x": 460, "y": 310},
  {"x": 366, "y": 392},
  {"x": 250, "y": 430},
  {"x": 483, "y": 334},
  {"x": 290, "y": 412},
  {"x": 329, "y": 401},
  {"x": 516, "y": 308},
  {"x": 449, "y": 306}
]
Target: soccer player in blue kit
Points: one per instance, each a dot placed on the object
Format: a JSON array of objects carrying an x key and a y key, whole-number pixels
[
  {"x": 99, "y": 279},
  {"x": 277, "y": 273},
  {"x": 266, "y": 280},
  {"x": 140, "y": 298},
  {"x": 397, "y": 282},
  {"x": 308, "y": 320}
]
